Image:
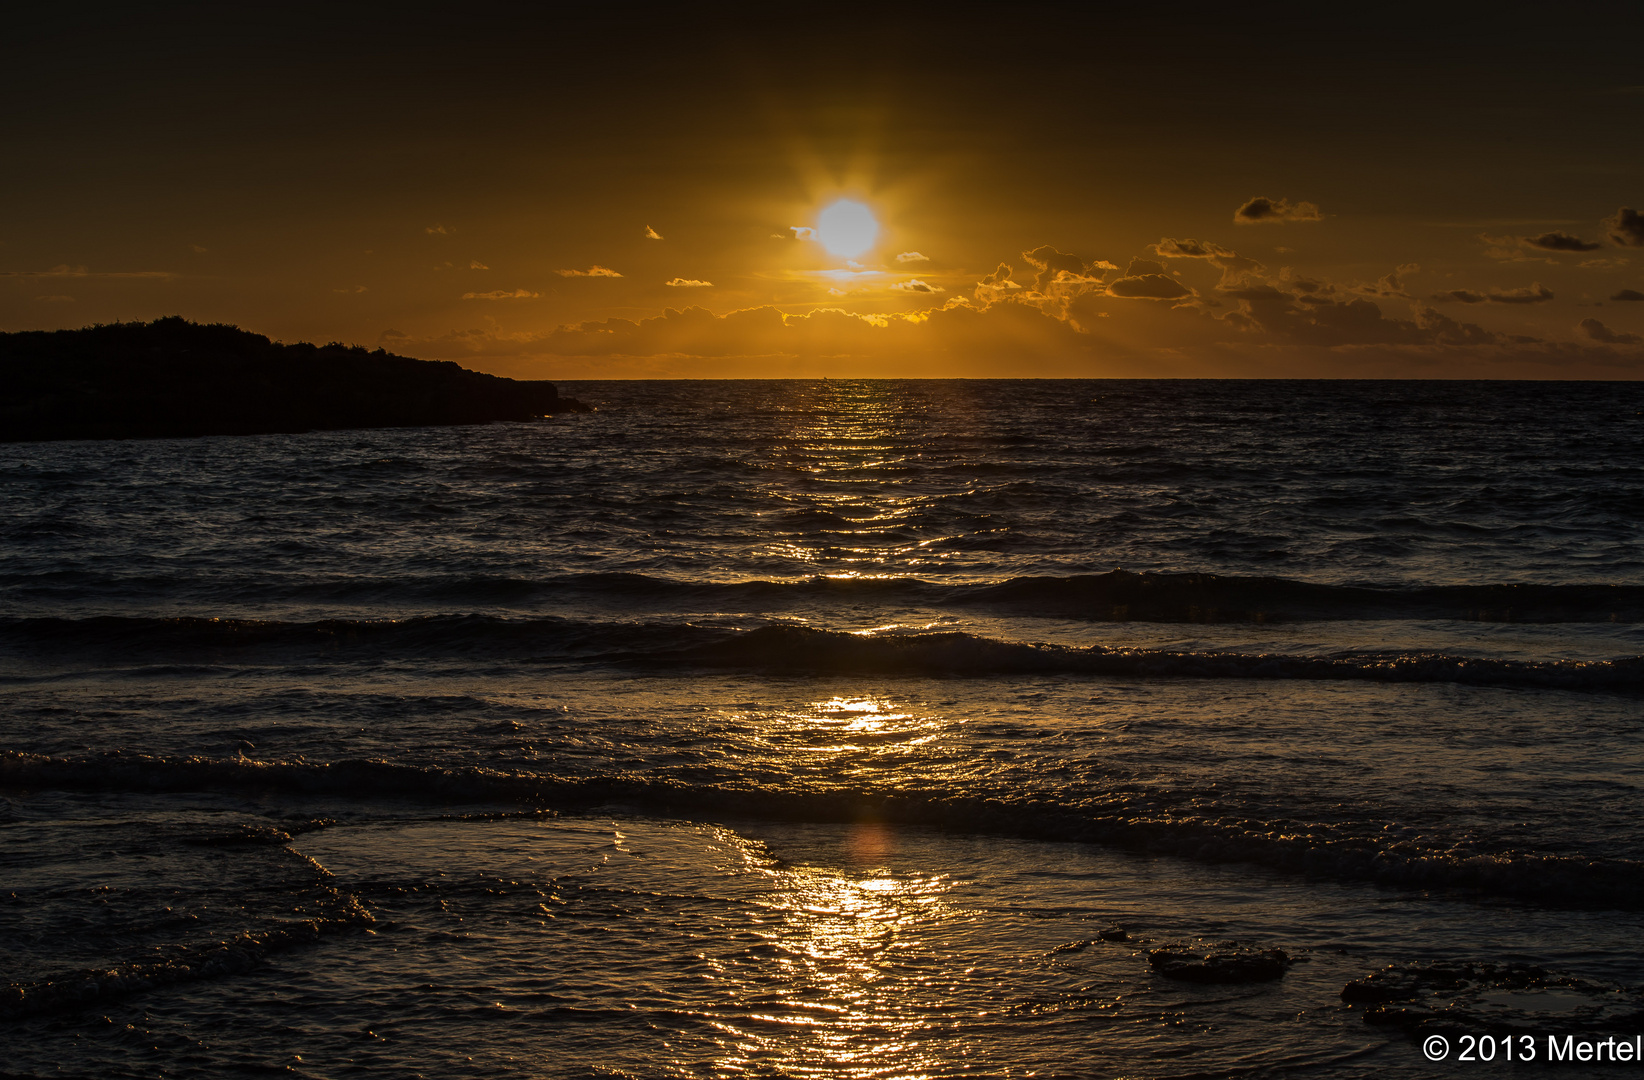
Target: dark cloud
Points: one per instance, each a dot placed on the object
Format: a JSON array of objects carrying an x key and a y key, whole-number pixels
[
  {"x": 914, "y": 285},
  {"x": 1440, "y": 329},
  {"x": 1533, "y": 294},
  {"x": 1235, "y": 268},
  {"x": 1626, "y": 227},
  {"x": 1264, "y": 211},
  {"x": 1148, "y": 287},
  {"x": 1139, "y": 267},
  {"x": 1558, "y": 241},
  {"x": 1171, "y": 248},
  {"x": 1628, "y": 294},
  {"x": 1597, "y": 331},
  {"x": 1049, "y": 262},
  {"x": 1390, "y": 285}
]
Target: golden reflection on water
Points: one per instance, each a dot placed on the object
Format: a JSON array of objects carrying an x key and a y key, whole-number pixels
[
  {"x": 841, "y": 724},
  {"x": 833, "y": 998}
]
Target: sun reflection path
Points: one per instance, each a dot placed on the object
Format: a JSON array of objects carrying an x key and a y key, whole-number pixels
[
  {"x": 834, "y": 1002},
  {"x": 840, "y": 724},
  {"x": 857, "y": 486}
]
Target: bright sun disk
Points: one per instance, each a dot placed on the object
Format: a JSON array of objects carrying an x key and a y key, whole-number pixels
[{"x": 846, "y": 228}]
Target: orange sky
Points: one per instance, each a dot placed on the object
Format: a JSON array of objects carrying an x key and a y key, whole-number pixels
[{"x": 1060, "y": 191}]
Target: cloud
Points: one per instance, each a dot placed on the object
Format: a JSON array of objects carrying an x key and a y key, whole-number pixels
[
  {"x": 1602, "y": 264},
  {"x": 1558, "y": 241},
  {"x": 652, "y": 234},
  {"x": 355, "y": 289},
  {"x": 593, "y": 271},
  {"x": 1626, "y": 227},
  {"x": 1235, "y": 268},
  {"x": 1533, "y": 294},
  {"x": 689, "y": 283},
  {"x": 1391, "y": 285},
  {"x": 914, "y": 285},
  {"x": 912, "y": 256},
  {"x": 1597, "y": 331},
  {"x": 66, "y": 271},
  {"x": 1170, "y": 248},
  {"x": 1628, "y": 294},
  {"x": 1148, "y": 286},
  {"x": 197, "y": 249},
  {"x": 54, "y": 299},
  {"x": 1050, "y": 262},
  {"x": 802, "y": 232},
  {"x": 959, "y": 330},
  {"x": 475, "y": 264},
  {"x": 999, "y": 279},
  {"x": 501, "y": 294},
  {"x": 438, "y": 230},
  {"x": 1264, "y": 211}
]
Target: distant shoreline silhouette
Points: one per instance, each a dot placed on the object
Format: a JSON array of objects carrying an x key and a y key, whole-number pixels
[{"x": 172, "y": 378}]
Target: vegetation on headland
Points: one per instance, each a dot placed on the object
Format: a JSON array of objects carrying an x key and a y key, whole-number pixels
[{"x": 173, "y": 378}]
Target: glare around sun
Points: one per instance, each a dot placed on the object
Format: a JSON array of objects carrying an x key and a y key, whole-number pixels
[{"x": 846, "y": 229}]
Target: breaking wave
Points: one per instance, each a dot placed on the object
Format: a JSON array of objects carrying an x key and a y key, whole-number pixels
[{"x": 778, "y": 646}]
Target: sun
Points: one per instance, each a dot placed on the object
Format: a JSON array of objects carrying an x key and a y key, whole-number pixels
[{"x": 846, "y": 229}]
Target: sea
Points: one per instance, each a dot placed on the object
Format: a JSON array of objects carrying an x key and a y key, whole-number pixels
[{"x": 815, "y": 729}]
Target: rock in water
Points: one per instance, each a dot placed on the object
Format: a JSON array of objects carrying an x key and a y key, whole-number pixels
[{"x": 1219, "y": 963}]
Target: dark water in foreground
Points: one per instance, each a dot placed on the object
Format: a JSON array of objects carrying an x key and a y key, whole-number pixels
[{"x": 828, "y": 729}]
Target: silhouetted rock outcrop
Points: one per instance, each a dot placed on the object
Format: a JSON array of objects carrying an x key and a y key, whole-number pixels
[{"x": 171, "y": 378}]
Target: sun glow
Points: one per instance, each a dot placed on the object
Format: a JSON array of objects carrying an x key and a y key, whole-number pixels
[{"x": 846, "y": 228}]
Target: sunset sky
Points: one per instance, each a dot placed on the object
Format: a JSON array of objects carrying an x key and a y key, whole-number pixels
[{"x": 1058, "y": 191}]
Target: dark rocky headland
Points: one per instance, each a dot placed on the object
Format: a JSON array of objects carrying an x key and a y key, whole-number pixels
[{"x": 172, "y": 378}]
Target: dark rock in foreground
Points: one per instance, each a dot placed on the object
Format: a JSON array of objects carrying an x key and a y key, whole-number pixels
[
  {"x": 1493, "y": 998},
  {"x": 173, "y": 378},
  {"x": 1219, "y": 963}
]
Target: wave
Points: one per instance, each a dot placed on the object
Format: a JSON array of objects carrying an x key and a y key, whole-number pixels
[
  {"x": 192, "y": 642},
  {"x": 1131, "y": 822},
  {"x": 1116, "y": 596},
  {"x": 334, "y": 911}
]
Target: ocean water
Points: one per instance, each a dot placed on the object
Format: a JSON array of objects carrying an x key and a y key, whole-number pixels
[{"x": 832, "y": 729}]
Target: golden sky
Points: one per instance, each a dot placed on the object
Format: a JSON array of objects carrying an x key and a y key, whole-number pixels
[{"x": 1055, "y": 190}]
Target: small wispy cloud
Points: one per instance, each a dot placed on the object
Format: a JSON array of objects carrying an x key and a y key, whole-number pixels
[
  {"x": 914, "y": 285},
  {"x": 1558, "y": 241},
  {"x": 82, "y": 272},
  {"x": 438, "y": 230},
  {"x": 1264, "y": 211},
  {"x": 652, "y": 234},
  {"x": 593, "y": 271},
  {"x": 688, "y": 283},
  {"x": 197, "y": 249},
  {"x": 502, "y": 294},
  {"x": 1532, "y": 294},
  {"x": 354, "y": 289},
  {"x": 54, "y": 299},
  {"x": 475, "y": 264},
  {"x": 912, "y": 256},
  {"x": 802, "y": 232}
]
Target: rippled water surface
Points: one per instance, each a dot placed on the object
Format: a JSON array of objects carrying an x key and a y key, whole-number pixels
[{"x": 874, "y": 729}]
